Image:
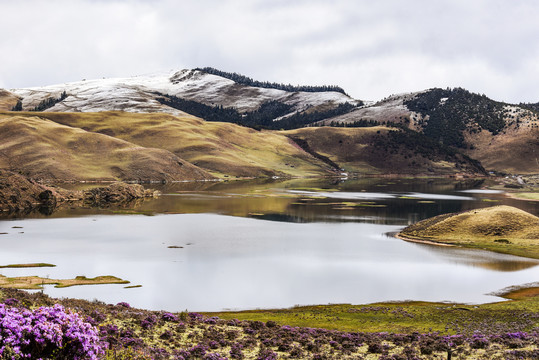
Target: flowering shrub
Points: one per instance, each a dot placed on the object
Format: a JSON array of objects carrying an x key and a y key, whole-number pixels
[
  {"x": 149, "y": 322},
  {"x": 236, "y": 351},
  {"x": 47, "y": 332},
  {"x": 214, "y": 356},
  {"x": 479, "y": 341},
  {"x": 195, "y": 316},
  {"x": 135, "y": 334},
  {"x": 198, "y": 350},
  {"x": 169, "y": 317},
  {"x": 11, "y": 301},
  {"x": 211, "y": 320}
]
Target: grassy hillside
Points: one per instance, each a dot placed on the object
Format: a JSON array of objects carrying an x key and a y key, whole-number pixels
[
  {"x": 514, "y": 151},
  {"x": 502, "y": 229},
  {"x": 44, "y": 149},
  {"x": 7, "y": 100},
  {"x": 221, "y": 148},
  {"x": 503, "y": 137},
  {"x": 384, "y": 150}
]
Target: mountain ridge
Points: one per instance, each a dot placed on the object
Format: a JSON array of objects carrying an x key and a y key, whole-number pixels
[
  {"x": 138, "y": 93},
  {"x": 504, "y": 137},
  {"x": 470, "y": 124}
]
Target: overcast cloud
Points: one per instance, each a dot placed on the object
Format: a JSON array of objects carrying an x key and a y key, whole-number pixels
[{"x": 370, "y": 48}]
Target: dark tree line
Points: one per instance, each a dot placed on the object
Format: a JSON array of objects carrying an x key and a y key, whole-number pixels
[
  {"x": 264, "y": 115},
  {"x": 262, "y": 118},
  {"x": 241, "y": 79},
  {"x": 419, "y": 144},
  {"x": 17, "y": 107},
  {"x": 413, "y": 141},
  {"x": 207, "y": 112},
  {"x": 451, "y": 111},
  {"x": 299, "y": 120},
  {"x": 43, "y": 105},
  {"x": 357, "y": 123},
  {"x": 530, "y": 106}
]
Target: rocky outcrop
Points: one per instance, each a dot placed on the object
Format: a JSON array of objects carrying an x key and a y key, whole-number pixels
[
  {"x": 117, "y": 193},
  {"x": 19, "y": 194}
]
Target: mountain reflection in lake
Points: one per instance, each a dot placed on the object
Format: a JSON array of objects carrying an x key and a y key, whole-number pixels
[{"x": 243, "y": 245}]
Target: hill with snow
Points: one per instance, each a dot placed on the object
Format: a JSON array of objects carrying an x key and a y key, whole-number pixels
[
  {"x": 503, "y": 137},
  {"x": 140, "y": 93}
]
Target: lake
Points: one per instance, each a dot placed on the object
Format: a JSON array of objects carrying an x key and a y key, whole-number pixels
[{"x": 268, "y": 244}]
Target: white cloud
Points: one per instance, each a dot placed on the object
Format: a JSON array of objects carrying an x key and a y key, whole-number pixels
[{"x": 372, "y": 49}]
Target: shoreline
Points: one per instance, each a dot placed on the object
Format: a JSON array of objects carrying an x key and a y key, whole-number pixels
[
  {"x": 339, "y": 331},
  {"x": 512, "y": 195},
  {"x": 421, "y": 241}
]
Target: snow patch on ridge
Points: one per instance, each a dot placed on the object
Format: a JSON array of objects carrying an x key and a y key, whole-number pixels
[
  {"x": 138, "y": 93},
  {"x": 387, "y": 109}
]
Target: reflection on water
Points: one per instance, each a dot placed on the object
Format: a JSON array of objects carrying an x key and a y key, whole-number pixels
[
  {"x": 267, "y": 244},
  {"x": 482, "y": 191},
  {"x": 383, "y": 201},
  {"x": 484, "y": 259}
]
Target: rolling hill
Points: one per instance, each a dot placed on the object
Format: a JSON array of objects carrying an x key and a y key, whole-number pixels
[
  {"x": 503, "y": 229},
  {"x": 44, "y": 149},
  {"x": 7, "y": 100},
  {"x": 503, "y": 137},
  {"x": 34, "y": 141},
  {"x": 221, "y": 148},
  {"x": 385, "y": 150},
  {"x": 436, "y": 131}
]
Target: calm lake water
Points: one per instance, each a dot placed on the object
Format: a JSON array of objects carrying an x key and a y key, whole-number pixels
[{"x": 268, "y": 244}]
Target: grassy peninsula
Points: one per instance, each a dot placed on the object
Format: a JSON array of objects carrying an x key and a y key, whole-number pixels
[{"x": 502, "y": 229}]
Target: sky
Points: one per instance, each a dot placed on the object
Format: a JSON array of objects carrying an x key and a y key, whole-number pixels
[{"x": 370, "y": 48}]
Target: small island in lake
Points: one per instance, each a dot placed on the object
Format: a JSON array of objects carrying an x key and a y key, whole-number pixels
[{"x": 503, "y": 229}]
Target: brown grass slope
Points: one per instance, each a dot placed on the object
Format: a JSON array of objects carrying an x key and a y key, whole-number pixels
[
  {"x": 228, "y": 149},
  {"x": 514, "y": 151},
  {"x": 7, "y": 100},
  {"x": 378, "y": 150},
  {"x": 43, "y": 149},
  {"x": 221, "y": 148},
  {"x": 502, "y": 229}
]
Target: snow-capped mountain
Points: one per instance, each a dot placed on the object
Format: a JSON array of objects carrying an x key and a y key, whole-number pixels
[
  {"x": 139, "y": 94},
  {"x": 456, "y": 119}
]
